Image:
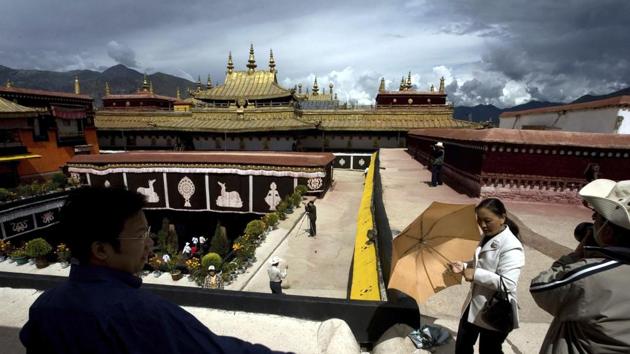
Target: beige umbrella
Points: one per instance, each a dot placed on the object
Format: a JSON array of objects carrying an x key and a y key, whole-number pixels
[{"x": 443, "y": 233}]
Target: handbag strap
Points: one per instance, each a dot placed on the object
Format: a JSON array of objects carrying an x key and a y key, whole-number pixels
[{"x": 502, "y": 286}]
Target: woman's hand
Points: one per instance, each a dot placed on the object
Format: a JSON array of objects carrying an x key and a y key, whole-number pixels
[{"x": 457, "y": 267}]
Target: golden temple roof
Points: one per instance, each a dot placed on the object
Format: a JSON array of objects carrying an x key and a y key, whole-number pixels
[
  {"x": 10, "y": 109},
  {"x": 248, "y": 85},
  {"x": 277, "y": 119},
  {"x": 208, "y": 120}
]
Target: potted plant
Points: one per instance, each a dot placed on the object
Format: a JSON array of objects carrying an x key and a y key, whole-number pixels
[
  {"x": 5, "y": 249},
  {"x": 289, "y": 202},
  {"x": 296, "y": 199},
  {"x": 194, "y": 270},
  {"x": 19, "y": 256},
  {"x": 302, "y": 189},
  {"x": 172, "y": 264},
  {"x": 281, "y": 208},
  {"x": 271, "y": 220},
  {"x": 156, "y": 262},
  {"x": 63, "y": 254},
  {"x": 38, "y": 248}
]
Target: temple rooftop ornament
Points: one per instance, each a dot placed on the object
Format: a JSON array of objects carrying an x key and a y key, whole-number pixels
[
  {"x": 178, "y": 94},
  {"x": 408, "y": 85},
  {"x": 107, "y": 91},
  {"x": 209, "y": 84},
  {"x": 230, "y": 64},
  {"x": 441, "y": 85},
  {"x": 251, "y": 62},
  {"x": 315, "y": 87},
  {"x": 381, "y": 87},
  {"x": 272, "y": 62},
  {"x": 77, "y": 87}
]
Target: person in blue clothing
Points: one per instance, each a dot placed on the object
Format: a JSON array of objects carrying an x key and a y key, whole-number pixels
[{"x": 101, "y": 308}]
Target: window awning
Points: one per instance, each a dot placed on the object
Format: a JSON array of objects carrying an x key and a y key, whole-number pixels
[
  {"x": 68, "y": 113},
  {"x": 18, "y": 157}
]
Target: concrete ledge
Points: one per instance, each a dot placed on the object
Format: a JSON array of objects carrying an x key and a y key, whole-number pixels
[{"x": 367, "y": 319}]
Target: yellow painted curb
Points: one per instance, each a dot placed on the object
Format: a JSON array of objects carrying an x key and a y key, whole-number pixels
[{"x": 364, "y": 265}]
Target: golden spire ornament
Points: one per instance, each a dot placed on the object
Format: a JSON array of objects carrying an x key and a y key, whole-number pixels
[
  {"x": 381, "y": 87},
  {"x": 107, "y": 92},
  {"x": 442, "y": 84},
  {"x": 77, "y": 87},
  {"x": 272, "y": 62},
  {"x": 145, "y": 83},
  {"x": 330, "y": 86},
  {"x": 251, "y": 62},
  {"x": 230, "y": 64},
  {"x": 178, "y": 94},
  {"x": 150, "y": 86},
  {"x": 209, "y": 84},
  {"x": 315, "y": 87},
  {"x": 409, "y": 80},
  {"x": 402, "y": 84}
]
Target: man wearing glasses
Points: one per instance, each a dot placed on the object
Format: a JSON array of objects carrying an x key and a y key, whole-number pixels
[{"x": 101, "y": 308}]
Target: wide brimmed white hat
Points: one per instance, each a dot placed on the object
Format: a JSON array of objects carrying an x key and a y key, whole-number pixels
[
  {"x": 275, "y": 260},
  {"x": 610, "y": 199},
  {"x": 211, "y": 267},
  {"x": 439, "y": 144}
]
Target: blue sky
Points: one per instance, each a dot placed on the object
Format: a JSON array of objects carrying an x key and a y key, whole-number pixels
[{"x": 501, "y": 52}]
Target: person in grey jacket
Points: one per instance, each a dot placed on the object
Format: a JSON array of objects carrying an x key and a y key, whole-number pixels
[
  {"x": 498, "y": 258},
  {"x": 587, "y": 291}
]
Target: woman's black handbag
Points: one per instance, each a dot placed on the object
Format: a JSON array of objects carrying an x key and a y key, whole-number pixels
[{"x": 498, "y": 310}]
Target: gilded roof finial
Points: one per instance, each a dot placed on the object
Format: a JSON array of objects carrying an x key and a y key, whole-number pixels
[
  {"x": 300, "y": 87},
  {"x": 402, "y": 84},
  {"x": 442, "y": 84},
  {"x": 230, "y": 64},
  {"x": 178, "y": 94},
  {"x": 381, "y": 87},
  {"x": 315, "y": 87},
  {"x": 209, "y": 84},
  {"x": 432, "y": 88},
  {"x": 409, "y": 80},
  {"x": 150, "y": 86},
  {"x": 107, "y": 92},
  {"x": 199, "y": 83},
  {"x": 8, "y": 84},
  {"x": 330, "y": 86},
  {"x": 77, "y": 87},
  {"x": 145, "y": 83},
  {"x": 251, "y": 62},
  {"x": 272, "y": 62}
]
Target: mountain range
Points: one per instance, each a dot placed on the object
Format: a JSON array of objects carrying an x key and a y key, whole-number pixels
[
  {"x": 122, "y": 79},
  {"x": 484, "y": 113}
]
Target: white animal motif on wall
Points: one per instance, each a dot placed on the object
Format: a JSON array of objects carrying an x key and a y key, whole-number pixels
[
  {"x": 107, "y": 184},
  {"x": 273, "y": 197},
  {"x": 149, "y": 193},
  {"x": 48, "y": 217},
  {"x": 229, "y": 199},
  {"x": 19, "y": 226}
]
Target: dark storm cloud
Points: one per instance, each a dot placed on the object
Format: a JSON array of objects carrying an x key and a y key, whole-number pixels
[
  {"x": 563, "y": 49},
  {"x": 122, "y": 54}
]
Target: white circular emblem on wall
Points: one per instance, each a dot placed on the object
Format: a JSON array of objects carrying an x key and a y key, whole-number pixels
[
  {"x": 186, "y": 188},
  {"x": 361, "y": 162},
  {"x": 314, "y": 183},
  {"x": 342, "y": 162}
]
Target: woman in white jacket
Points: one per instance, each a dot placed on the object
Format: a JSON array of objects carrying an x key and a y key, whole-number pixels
[{"x": 499, "y": 255}]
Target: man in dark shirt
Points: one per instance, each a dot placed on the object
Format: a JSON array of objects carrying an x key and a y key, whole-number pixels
[
  {"x": 101, "y": 308},
  {"x": 436, "y": 164},
  {"x": 311, "y": 211}
]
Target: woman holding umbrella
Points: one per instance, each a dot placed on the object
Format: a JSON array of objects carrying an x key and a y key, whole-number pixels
[{"x": 497, "y": 264}]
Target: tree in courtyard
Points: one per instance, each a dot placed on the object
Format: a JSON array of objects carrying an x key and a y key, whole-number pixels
[{"x": 220, "y": 243}]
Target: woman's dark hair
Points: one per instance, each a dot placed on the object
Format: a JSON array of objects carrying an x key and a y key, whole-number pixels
[
  {"x": 497, "y": 208},
  {"x": 96, "y": 214}
]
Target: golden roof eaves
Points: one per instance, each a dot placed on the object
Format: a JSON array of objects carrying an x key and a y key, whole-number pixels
[{"x": 241, "y": 84}]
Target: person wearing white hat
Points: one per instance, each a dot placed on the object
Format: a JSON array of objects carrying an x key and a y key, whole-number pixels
[
  {"x": 587, "y": 290},
  {"x": 276, "y": 275},
  {"x": 437, "y": 161},
  {"x": 213, "y": 280}
]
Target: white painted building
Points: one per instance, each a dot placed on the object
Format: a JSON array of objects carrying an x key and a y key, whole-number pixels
[{"x": 610, "y": 115}]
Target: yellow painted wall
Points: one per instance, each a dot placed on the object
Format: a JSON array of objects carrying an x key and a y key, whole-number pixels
[{"x": 364, "y": 264}]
